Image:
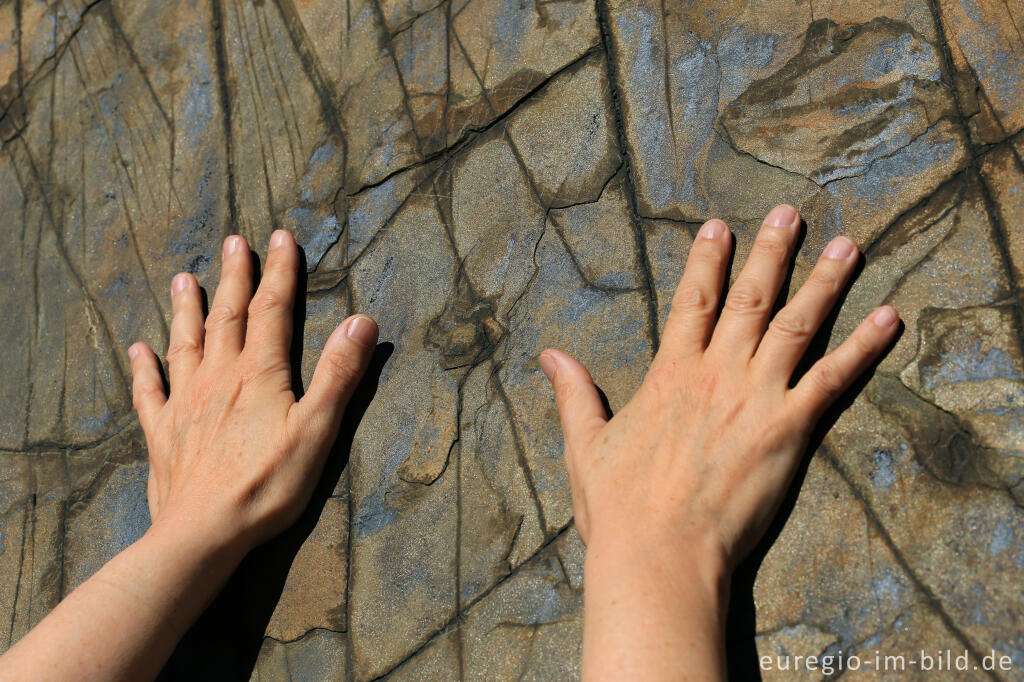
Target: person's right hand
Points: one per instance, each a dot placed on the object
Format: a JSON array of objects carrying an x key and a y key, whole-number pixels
[
  {"x": 232, "y": 455},
  {"x": 688, "y": 475}
]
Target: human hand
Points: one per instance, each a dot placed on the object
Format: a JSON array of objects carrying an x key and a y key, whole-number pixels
[
  {"x": 705, "y": 449},
  {"x": 232, "y": 454},
  {"x": 675, "y": 490}
]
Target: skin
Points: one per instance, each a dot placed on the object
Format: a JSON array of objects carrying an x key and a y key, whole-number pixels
[
  {"x": 233, "y": 462},
  {"x": 669, "y": 495},
  {"x": 676, "y": 489}
]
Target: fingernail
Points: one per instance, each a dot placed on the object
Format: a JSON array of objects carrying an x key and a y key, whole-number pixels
[
  {"x": 548, "y": 366},
  {"x": 713, "y": 229},
  {"x": 179, "y": 282},
  {"x": 781, "y": 216},
  {"x": 884, "y": 317},
  {"x": 361, "y": 330},
  {"x": 277, "y": 239},
  {"x": 839, "y": 248},
  {"x": 231, "y": 245},
  {"x": 133, "y": 351}
]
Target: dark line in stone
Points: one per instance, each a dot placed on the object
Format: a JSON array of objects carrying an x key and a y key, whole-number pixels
[
  {"x": 519, "y": 448},
  {"x": 930, "y": 597},
  {"x": 473, "y": 132},
  {"x": 459, "y": 644},
  {"x": 221, "y": 59},
  {"x": 47, "y": 446},
  {"x": 639, "y": 238},
  {"x": 407, "y": 24},
  {"x": 35, "y": 300},
  {"x": 447, "y": 625},
  {"x": 349, "y": 658},
  {"x": 49, "y": 63},
  {"x": 76, "y": 277},
  {"x": 130, "y": 224},
  {"x": 398, "y": 72},
  {"x": 1000, "y": 231},
  {"x": 17, "y": 582},
  {"x": 310, "y": 62},
  {"x": 18, "y": 37},
  {"x": 667, "y": 75},
  {"x": 115, "y": 27},
  {"x": 991, "y": 207},
  {"x": 61, "y": 533},
  {"x": 959, "y": 176},
  {"x": 447, "y": 69},
  {"x": 304, "y": 635}
]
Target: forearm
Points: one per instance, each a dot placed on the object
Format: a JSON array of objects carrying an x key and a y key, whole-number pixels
[
  {"x": 124, "y": 621},
  {"x": 652, "y": 614}
]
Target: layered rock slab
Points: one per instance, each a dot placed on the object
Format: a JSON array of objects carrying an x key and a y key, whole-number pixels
[{"x": 488, "y": 179}]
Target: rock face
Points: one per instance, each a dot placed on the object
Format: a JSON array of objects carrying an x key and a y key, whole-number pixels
[{"x": 488, "y": 178}]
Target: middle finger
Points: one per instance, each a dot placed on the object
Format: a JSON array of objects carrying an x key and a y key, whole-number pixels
[{"x": 750, "y": 299}]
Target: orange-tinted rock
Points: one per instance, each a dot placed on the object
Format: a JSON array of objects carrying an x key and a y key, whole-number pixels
[{"x": 487, "y": 179}]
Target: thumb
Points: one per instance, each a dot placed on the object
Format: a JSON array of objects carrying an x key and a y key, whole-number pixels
[
  {"x": 341, "y": 366},
  {"x": 579, "y": 407}
]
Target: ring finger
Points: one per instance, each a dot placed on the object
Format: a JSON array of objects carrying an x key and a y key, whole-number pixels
[{"x": 792, "y": 329}]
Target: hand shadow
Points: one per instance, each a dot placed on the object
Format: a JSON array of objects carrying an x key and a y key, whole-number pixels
[
  {"x": 741, "y": 620},
  {"x": 225, "y": 641}
]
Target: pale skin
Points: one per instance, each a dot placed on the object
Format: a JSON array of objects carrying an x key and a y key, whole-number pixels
[
  {"x": 233, "y": 462},
  {"x": 669, "y": 495},
  {"x": 677, "y": 488}
]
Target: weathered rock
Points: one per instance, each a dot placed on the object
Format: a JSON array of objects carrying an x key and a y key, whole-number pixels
[
  {"x": 318, "y": 655},
  {"x": 851, "y": 121},
  {"x": 314, "y": 593},
  {"x": 984, "y": 38},
  {"x": 487, "y": 179},
  {"x": 1003, "y": 173}
]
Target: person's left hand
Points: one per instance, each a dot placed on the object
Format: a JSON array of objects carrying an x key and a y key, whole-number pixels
[{"x": 232, "y": 453}]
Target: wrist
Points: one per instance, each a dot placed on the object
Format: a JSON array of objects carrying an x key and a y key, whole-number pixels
[
  {"x": 652, "y": 608},
  {"x": 196, "y": 541},
  {"x": 676, "y": 561}
]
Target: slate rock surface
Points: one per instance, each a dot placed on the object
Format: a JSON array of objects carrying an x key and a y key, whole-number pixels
[{"x": 488, "y": 178}]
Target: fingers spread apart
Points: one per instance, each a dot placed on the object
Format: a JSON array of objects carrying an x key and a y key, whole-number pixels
[
  {"x": 833, "y": 374},
  {"x": 269, "y": 332},
  {"x": 751, "y": 297},
  {"x": 341, "y": 366},
  {"x": 225, "y": 325},
  {"x": 695, "y": 302},
  {"x": 791, "y": 330}
]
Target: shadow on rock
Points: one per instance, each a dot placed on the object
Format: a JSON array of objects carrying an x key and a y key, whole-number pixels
[
  {"x": 225, "y": 642},
  {"x": 741, "y": 622}
]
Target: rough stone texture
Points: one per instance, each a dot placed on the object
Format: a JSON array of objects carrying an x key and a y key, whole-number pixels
[{"x": 487, "y": 178}]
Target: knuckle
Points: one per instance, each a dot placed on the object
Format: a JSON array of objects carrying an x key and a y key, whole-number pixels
[
  {"x": 185, "y": 346},
  {"x": 708, "y": 254},
  {"x": 140, "y": 395},
  {"x": 791, "y": 325},
  {"x": 827, "y": 378},
  {"x": 264, "y": 302},
  {"x": 341, "y": 369},
  {"x": 221, "y": 315},
  {"x": 826, "y": 279},
  {"x": 256, "y": 369},
  {"x": 694, "y": 298},
  {"x": 772, "y": 248},
  {"x": 746, "y": 297},
  {"x": 565, "y": 392},
  {"x": 862, "y": 344}
]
